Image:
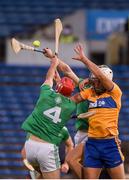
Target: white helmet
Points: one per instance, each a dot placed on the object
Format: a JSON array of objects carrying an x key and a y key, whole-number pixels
[{"x": 106, "y": 70}]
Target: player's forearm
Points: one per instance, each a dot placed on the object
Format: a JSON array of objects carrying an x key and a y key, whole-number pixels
[
  {"x": 68, "y": 149},
  {"x": 68, "y": 71},
  {"x": 57, "y": 77},
  {"x": 92, "y": 67},
  {"x": 51, "y": 72},
  {"x": 63, "y": 67}
]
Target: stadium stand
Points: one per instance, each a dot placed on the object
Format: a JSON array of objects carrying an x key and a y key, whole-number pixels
[
  {"x": 26, "y": 15},
  {"x": 19, "y": 89}
]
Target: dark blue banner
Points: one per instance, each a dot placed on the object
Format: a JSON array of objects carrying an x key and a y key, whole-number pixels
[{"x": 101, "y": 23}]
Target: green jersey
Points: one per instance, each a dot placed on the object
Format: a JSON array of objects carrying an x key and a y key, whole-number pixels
[
  {"x": 62, "y": 136},
  {"x": 82, "y": 107},
  {"x": 51, "y": 113}
]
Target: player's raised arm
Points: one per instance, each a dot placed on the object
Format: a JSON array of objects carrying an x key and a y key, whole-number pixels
[
  {"x": 63, "y": 67},
  {"x": 57, "y": 77},
  {"x": 95, "y": 70},
  {"x": 51, "y": 71}
]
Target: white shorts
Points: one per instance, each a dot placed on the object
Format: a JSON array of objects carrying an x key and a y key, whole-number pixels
[
  {"x": 80, "y": 137},
  {"x": 44, "y": 155}
]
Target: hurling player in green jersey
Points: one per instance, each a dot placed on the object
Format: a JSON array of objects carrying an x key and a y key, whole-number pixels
[
  {"x": 52, "y": 111},
  {"x": 64, "y": 137}
]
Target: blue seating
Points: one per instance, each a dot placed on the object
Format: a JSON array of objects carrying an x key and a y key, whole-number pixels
[
  {"x": 13, "y": 173},
  {"x": 9, "y": 155},
  {"x": 5, "y": 147},
  {"x": 9, "y": 125},
  {"x": 12, "y": 140},
  {"x": 13, "y": 119},
  {"x": 124, "y": 137},
  {"x": 19, "y": 15},
  {"x": 11, "y": 163},
  {"x": 22, "y": 79},
  {"x": 18, "y": 134},
  {"x": 124, "y": 130}
]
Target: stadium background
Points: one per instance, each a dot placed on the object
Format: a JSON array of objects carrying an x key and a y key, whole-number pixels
[{"x": 102, "y": 26}]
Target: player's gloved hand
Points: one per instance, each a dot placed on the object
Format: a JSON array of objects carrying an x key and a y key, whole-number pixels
[{"x": 64, "y": 167}]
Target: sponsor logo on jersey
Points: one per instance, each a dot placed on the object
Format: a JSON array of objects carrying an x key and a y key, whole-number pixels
[
  {"x": 58, "y": 100},
  {"x": 107, "y": 102},
  {"x": 97, "y": 104}
]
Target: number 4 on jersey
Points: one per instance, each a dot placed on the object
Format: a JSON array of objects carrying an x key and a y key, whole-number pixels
[{"x": 54, "y": 114}]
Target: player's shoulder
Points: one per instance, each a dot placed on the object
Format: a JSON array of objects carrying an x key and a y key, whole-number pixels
[
  {"x": 45, "y": 86},
  {"x": 116, "y": 85},
  {"x": 46, "y": 91},
  {"x": 116, "y": 88}
]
